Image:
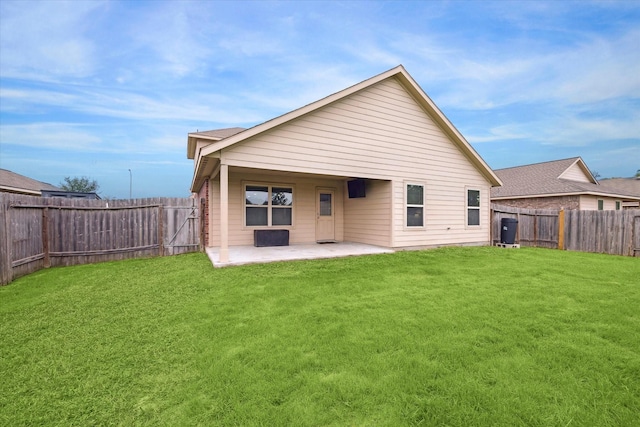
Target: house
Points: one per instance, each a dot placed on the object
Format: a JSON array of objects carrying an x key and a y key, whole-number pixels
[
  {"x": 11, "y": 182},
  {"x": 377, "y": 163},
  {"x": 628, "y": 186},
  {"x": 557, "y": 184},
  {"x": 70, "y": 194}
]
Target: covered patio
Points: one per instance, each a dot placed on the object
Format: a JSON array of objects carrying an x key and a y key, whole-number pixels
[{"x": 239, "y": 255}]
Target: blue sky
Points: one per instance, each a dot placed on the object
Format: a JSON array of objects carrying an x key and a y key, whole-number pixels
[{"x": 97, "y": 88}]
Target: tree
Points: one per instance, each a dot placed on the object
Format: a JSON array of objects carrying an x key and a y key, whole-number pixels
[
  {"x": 638, "y": 174},
  {"x": 80, "y": 184}
]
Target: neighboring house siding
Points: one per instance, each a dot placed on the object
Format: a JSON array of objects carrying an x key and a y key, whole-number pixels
[
  {"x": 575, "y": 173},
  {"x": 588, "y": 203},
  {"x": 582, "y": 202},
  {"x": 367, "y": 220},
  {"x": 557, "y": 202},
  {"x": 379, "y": 133}
]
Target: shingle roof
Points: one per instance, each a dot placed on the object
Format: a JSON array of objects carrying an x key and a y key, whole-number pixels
[
  {"x": 629, "y": 186},
  {"x": 543, "y": 179},
  {"x": 16, "y": 183}
]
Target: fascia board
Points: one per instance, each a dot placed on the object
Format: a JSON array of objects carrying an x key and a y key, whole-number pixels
[
  {"x": 18, "y": 190},
  {"x": 192, "y": 143},
  {"x": 198, "y": 172}
]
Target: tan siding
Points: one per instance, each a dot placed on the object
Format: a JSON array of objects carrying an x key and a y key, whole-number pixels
[
  {"x": 590, "y": 203},
  {"x": 575, "y": 173},
  {"x": 445, "y": 216},
  {"x": 214, "y": 212},
  {"x": 368, "y": 220},
  {"x": 351, "y": 138},
  {"x": 380, "y": 133},
  {"x": 304, "y": 210}
]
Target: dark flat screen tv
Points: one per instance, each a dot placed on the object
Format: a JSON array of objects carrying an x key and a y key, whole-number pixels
[{"x": 357, "y": 188}]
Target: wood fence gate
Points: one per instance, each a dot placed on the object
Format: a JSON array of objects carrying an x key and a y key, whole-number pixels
[{"x": 39, "y": 232}]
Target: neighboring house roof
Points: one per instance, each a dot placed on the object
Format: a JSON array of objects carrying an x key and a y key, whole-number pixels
[
  {"x": 630, "y": 186},
  {"x": 554, "y": 178},
  {"x": 12, "y": 182},
  {"x": 403, "y": 77}
]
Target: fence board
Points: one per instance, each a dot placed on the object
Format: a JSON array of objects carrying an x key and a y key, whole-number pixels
[
  {"x": 611, "y": 232},
  {"x": 39, "y": 232}
]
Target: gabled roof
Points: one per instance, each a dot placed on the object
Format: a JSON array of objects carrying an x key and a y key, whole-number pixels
[
  {"x": 548, "y": 179},
  {"x": 210, "y": 135},
  {"x": 12, "y": 182},
  {"x": 403, "y": 78}
]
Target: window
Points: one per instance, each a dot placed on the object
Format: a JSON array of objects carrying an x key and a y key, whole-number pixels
[
  {"x": 415, "y": 205},
  {"x": 600, "y": 204},
  {"x": 473, "y": 207},
  {"x": 325, "y": 204},
  {"x": 267, "y": 205},
  {"x": 618, "y": 205}
]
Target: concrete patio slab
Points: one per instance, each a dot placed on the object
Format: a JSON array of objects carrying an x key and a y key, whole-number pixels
[{"x": 239, "y": 255}]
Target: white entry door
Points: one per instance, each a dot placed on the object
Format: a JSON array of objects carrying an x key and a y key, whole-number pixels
[{"x": 325, "y": 215}]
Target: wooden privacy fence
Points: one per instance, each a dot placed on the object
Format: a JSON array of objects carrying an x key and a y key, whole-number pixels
[
  {"x": 610, "y": 232},
  {"x": 40, "y": 232},
  {"x": 536, "y": 227}
]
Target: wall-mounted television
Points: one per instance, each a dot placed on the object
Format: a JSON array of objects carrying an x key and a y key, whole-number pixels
[{"x": 357, "y": 188}]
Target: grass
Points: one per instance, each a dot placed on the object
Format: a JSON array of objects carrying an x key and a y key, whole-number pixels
[{"x": 454, "y": 336}]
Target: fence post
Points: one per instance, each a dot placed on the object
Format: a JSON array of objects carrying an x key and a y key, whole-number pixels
[
  {"x": 45, "y": 237},
  {"x": 561, "y": 229},
  {"x": 6, "y": 271},
  {"x": 160, "y": 231}
]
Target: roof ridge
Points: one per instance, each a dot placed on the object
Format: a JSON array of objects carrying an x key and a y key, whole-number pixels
[{"x": 540, "y": 163}]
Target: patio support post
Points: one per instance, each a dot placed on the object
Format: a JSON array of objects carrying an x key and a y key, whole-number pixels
[{"x": 224, "y": 213}]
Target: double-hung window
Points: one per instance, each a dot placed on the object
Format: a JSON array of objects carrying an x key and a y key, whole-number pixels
[
  {"x": 414, "y": 197},
  {"x": 473, "y": 207},
  {"x": 268, "y": 205}
]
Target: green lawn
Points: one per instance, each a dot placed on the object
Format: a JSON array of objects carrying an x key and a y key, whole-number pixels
[{"x": 454, "y": 336}]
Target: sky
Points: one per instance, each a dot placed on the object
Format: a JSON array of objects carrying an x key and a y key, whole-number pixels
[{"x": 110, "y": 89}]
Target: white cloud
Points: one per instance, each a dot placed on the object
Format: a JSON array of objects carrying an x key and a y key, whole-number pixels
[
  {"x": 501, "y": 133},
  {"x": 110, "y": 102},
  {"x": 46, "y": 38},
  {"x": 61, "y": 136},
  {"x": 490, "y": 75},
  {"x": 173, "y": 32},
  {"x": 577, "y": 132}
]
